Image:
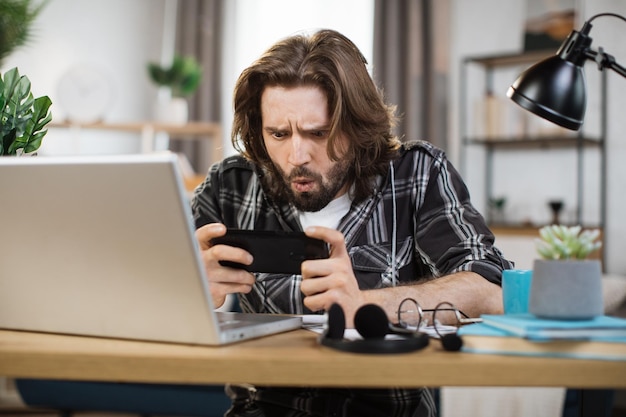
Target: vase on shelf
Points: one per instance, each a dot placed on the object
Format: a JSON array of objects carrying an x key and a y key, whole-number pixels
[
  {"x": 172, "y": 111},
  {"x": 496, "y": 210},
  {"x": 556, "y": 206}
]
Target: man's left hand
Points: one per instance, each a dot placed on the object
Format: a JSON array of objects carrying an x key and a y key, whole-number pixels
[{"x": 329, "y": 281}]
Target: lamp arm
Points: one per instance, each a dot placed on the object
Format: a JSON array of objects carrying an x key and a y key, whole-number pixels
[
  {"x": 605, "y": 60},
  {"x": 601, "y": 58},
  {"x": 616, "y": 67}
]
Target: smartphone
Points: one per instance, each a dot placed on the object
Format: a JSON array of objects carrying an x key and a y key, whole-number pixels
[{"x": 276, "y": 252}]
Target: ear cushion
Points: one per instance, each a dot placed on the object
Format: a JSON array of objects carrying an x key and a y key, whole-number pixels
[
  {"x": 336, "y": 323},
  {"x": 452, "y": 342},
  {"x": 372, "y": 328},
  {"x": 371, "y": 322}
]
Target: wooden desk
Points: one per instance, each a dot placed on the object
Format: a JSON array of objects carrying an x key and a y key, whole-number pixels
[{"x": 290, "y": 359}]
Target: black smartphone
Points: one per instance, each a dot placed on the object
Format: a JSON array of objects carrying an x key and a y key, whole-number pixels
[{"x": 276, "y": 252}]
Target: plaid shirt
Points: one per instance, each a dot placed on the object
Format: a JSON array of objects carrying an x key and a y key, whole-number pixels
[{"x": 422, "y": 202}]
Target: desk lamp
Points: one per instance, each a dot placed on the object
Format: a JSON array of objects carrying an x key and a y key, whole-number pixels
[{"x": 555, "y": 88}]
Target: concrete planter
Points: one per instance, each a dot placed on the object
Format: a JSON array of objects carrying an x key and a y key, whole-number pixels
[
  {"x": 570, "y": 290},
  {"x": 174, "y": 111}
]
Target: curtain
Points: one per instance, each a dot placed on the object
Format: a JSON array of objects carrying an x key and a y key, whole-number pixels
[
  {"x": 410, "y": 65},
  {"x": 198, "y": 33}
]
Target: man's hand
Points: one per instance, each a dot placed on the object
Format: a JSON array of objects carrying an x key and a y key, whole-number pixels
[
  {"x": 328, "y": 281},
  {"x": 223, "y": 280}
]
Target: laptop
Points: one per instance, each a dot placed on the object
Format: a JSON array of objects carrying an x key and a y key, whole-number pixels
[{"x": 104, "y": 246}]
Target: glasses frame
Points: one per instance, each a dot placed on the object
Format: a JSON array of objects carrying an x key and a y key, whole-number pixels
[{"x": 461, "y": 318}]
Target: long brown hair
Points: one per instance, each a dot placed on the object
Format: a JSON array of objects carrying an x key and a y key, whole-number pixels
[{"x": 330, "y": 61}]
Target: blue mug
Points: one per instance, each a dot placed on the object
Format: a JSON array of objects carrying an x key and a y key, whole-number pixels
[{"x": 516, "y": 290}]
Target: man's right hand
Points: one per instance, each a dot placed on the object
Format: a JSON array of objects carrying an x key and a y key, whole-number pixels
[{"x": 223, "y": 280}]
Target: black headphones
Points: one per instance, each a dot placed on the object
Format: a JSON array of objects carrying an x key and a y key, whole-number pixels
[{"x": 372, "y": 324}]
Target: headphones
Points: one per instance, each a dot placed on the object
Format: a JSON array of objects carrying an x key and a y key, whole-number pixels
[{"x": 372, "y": 324}]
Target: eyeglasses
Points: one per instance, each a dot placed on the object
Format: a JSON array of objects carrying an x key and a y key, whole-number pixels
[{"x": 412, "y": 317}]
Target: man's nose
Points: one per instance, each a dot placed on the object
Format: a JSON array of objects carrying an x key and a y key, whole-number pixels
[{"x": 300, "y": 151}]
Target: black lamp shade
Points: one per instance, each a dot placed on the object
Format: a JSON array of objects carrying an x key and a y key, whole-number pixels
[{"x": 554, "y": 89}]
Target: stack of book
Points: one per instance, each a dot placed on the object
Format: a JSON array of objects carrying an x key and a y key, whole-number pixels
[{"x": 602, "y": 337}]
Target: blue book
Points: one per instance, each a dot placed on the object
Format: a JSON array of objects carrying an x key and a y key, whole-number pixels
[
  {"x": 532, "y": 327},
  {"x": 485, "y": 339}
]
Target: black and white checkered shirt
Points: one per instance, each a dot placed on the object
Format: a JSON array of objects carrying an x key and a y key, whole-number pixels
[{"x": 422, "y": 201}]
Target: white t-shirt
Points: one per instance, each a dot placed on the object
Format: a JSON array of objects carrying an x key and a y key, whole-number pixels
[{"x": 329, "y": 216}]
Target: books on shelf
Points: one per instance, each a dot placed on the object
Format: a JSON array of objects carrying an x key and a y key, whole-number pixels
[
  {"x": 532, "y": 327},
  {"x": 483, "y": 338}
]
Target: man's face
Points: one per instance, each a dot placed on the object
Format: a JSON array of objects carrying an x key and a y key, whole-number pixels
[{"x": 295, "y": 131}]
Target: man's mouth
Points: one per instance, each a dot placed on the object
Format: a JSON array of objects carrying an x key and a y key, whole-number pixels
[{"x": 303, "y": 185}]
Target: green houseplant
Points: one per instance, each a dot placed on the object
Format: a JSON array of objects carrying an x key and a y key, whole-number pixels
[
  {"x": 565, "y": 283},
  {"x": 22, "y": 117},
  {"x": 181, "y": 80},
  {"x": 16, "y": 18},
  {"x": 182, "y": 77}
]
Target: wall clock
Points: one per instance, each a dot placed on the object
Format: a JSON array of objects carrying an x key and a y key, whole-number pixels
[{"x": 85, "y": 93}]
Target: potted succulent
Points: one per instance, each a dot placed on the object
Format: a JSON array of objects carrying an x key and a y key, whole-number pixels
[
  {"x": 181, "y": 79},
  {"x": 565, "y": 284},
  {"x": 22, "y": 117}
]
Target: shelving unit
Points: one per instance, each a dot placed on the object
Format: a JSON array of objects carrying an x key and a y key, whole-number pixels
[
  {"x": 529, "y": 143},
  {"x": 148, "y": 131}
]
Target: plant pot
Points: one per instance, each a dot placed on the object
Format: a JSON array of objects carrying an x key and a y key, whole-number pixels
[
  {"x": 566, "y": 289},
  {"x": 174, "y": 111}
]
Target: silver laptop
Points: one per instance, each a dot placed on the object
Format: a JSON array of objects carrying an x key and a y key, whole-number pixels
[{"x": 104, "y": 246}]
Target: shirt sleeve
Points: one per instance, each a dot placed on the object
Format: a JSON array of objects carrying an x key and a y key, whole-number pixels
[
  {"x": 451, "y": 233},
  {"x": 205, "y": 205}
]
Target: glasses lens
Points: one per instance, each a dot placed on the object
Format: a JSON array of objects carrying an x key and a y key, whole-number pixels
[{"x": 409, "y": 314}]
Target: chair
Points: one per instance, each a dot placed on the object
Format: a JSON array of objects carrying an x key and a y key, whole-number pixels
[
  {"x": 68, "y": 397},
  {"x": 588, "y": 402}
]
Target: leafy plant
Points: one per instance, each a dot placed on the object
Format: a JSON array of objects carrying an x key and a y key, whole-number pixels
[
  {"x": 183, "y": 77},
  {"x": 22, "y": 117},
  {"x": 562, "y": 242},
  {"x": 16, "y": 17}
]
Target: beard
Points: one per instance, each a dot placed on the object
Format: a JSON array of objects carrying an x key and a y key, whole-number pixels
[{"x": 327, "y": 190}]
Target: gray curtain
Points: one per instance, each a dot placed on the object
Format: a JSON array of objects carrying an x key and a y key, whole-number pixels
[
  {"x": 410, "y": 65},
  {"x": 199, "y": 31}
]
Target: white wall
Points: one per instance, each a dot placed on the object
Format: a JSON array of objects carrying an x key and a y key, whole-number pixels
[{"x": 529, "y": 180}]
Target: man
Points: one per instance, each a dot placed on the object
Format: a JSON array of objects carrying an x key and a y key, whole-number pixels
[{"x": 318, "y": 155}]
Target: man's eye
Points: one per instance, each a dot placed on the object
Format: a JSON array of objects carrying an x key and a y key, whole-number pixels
[
  {"x": 278, "y": 135},
  {"x": 319, "y": 133}
]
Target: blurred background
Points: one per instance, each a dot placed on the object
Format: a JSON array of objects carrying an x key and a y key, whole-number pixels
[
  {"x": 446, "y": 63},
  {"x": 91, "y": 58}
]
